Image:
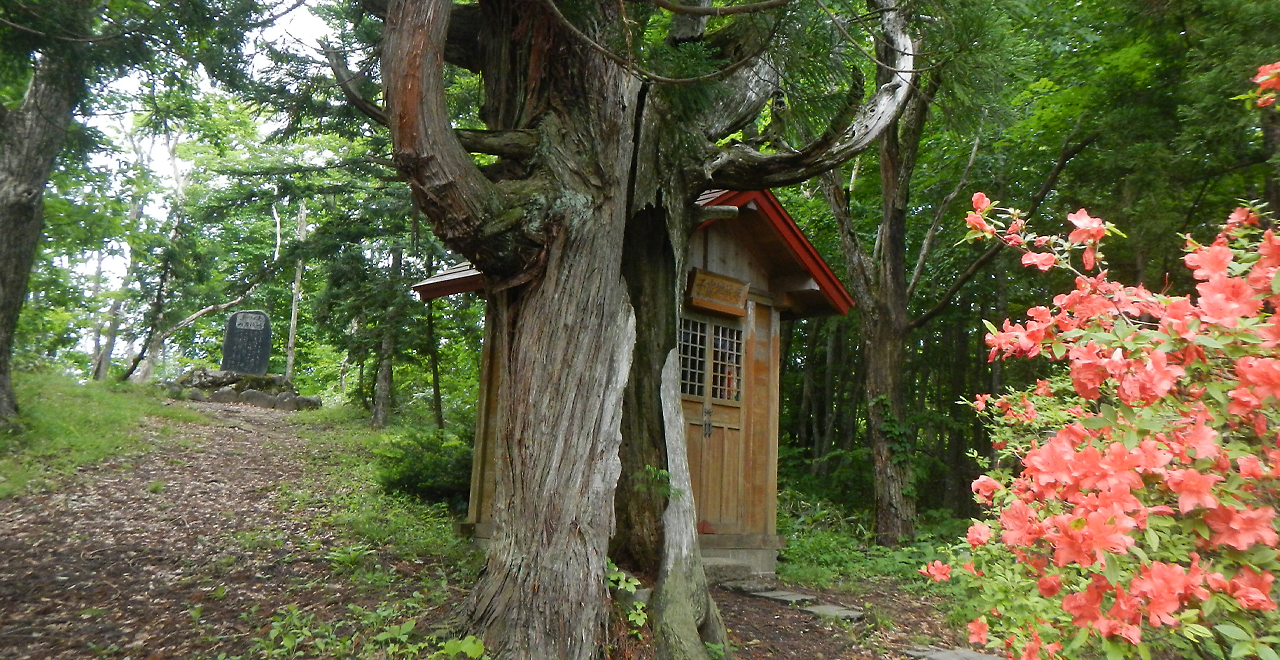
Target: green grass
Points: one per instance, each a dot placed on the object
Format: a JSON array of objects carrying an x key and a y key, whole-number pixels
[
  {"x": 827, "y": 547},
  {"x": 66, "y": 424},
  {"x": 342, "y": 457}
]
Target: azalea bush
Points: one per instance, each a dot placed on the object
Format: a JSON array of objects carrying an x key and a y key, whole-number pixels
[
  {"x": 1133, "y": 497},
  {"x": 1132, "y": 500}
]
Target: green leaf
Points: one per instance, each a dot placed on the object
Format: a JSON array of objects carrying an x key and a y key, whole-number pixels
[
  {"x": 1153, "y": 539},
  {"x": 1112, "y": 571},
  {"x": 1144, "y": 652},
  {"x": 1242, "y": 649},
  {"x": 1096, "y": 422},
  {"x": 1077, "y": 640},
  {"x": 1194, "y": 630},
  {"x": 1232, "y": 632},
  {"x": 1266, "y": 652}
]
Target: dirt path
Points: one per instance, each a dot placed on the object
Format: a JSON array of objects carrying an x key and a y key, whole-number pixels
[
  {"x": 116, "y": 563},
  {"x": 186, "y": 549}
]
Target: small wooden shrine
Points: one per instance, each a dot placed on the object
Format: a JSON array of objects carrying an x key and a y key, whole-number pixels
[{"x": 746, "y": 274}]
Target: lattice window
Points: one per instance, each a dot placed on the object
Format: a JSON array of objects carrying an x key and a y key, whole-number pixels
[
  {"x": 726, "y": 364},
  {"x": 693, "y": 356}
]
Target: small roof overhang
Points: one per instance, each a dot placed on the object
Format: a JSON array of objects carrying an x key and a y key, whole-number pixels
[{"x": 458, "y": 278}]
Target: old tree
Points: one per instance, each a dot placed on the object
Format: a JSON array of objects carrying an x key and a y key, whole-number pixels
[{"x": 607, "y": 120}]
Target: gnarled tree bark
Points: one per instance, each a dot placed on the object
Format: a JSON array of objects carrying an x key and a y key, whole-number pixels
[{"x": 582, "y": 254}]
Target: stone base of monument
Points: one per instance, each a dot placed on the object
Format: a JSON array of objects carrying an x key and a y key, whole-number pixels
[{"x": 269, "y": 391}]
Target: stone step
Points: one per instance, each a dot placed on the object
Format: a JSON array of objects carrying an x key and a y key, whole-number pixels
[
  {"x": 748, "y": 586},
  {"x": 721, "y": 569},
  {"x": 786, "y": 597},
  {"x": 835, "y": 612}
]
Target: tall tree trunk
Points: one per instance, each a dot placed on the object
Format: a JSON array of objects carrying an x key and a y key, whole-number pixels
[
  {"x": 102, "y": 359},
  {"x": 956, "y": 483},
  {"x": 292, "y": 346},
  {"x": 383, "y": 385},
  {"x": 886, "y": 428},
  {"x": 547, "y": 227},
  {"x": 31, "y": 136},
  {"x": 94, "y": 293},
  {"x": 433, "y": 355},
  {"x": 825, "y": 441},
  {"x": 805, "y": 412}
]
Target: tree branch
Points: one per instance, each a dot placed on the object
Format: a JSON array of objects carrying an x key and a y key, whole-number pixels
[
  {"x": 692, "y": 10},
  {"x": 207, "y": 310},
  {"x": 515, "y": 144},
  {"x": 937, "y": 219},
  {"x": 1068, "y": 152},
  {"x": 346, "y": 81},
  {"x": 630, "y": 65},
  {"x": 857, "y": 271},
  {"x": 740, "y": 167}
]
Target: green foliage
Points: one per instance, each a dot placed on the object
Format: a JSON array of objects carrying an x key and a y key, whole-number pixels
[
  {"x": 402, "y": 524},
  {"x": 347, "y": 559},
  {"x": 425, "y": 464},
  {"x": 618, "y": 580},
  {"x": 388, "y": 630},
  {"x": 67, "y": 424},
  {"x": 826, "y": 547}
]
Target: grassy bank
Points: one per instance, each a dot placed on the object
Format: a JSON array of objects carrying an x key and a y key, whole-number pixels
[
  {"x": 346, "y": 469},
  {"x": 66, "y": 424}
]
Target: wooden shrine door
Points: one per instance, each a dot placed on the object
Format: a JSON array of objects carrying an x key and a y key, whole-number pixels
[{"x": 711, "y": 380}]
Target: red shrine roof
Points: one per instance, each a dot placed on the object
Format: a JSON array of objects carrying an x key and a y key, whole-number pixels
[
  {"x": 780, "y": 240},
  {"x": 775, "y": 236}
]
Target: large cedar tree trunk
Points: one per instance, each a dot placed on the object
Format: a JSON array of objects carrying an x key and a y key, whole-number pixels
[
  {"x": 581, "y": 228},
  {"x": 31, "y": 135}
]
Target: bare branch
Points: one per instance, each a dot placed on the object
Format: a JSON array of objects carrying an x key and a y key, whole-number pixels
[
  {"x": 692, "y": 10},
  {"x": 630, "y": 65},
  {"x": 741, "y": 167},
  {"x": 937, "y": 219},
  {"x": 207, "y": 310},
  {"x": 347, "y": 82},
  {"x": 1068, "y": 152}
]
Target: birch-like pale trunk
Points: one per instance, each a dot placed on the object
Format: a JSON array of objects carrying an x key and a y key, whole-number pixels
[{"x": 291, "y": 348}]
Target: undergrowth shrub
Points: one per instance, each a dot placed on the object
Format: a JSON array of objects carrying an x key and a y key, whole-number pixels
[
  {"x": 828, "y": 546},
  {"x": 432, "y": 465}
]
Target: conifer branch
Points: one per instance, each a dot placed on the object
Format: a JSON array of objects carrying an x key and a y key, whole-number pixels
[{"x": 642, "y": 73}]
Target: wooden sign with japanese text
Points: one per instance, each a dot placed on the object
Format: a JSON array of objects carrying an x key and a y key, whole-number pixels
[{"x": 718, "y": 294}]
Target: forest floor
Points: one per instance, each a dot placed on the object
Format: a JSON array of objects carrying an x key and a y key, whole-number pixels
[{"x": 235, "y": 537}]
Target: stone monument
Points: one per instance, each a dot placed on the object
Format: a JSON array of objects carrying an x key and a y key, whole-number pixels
[{"x": 246, "y": 348}]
